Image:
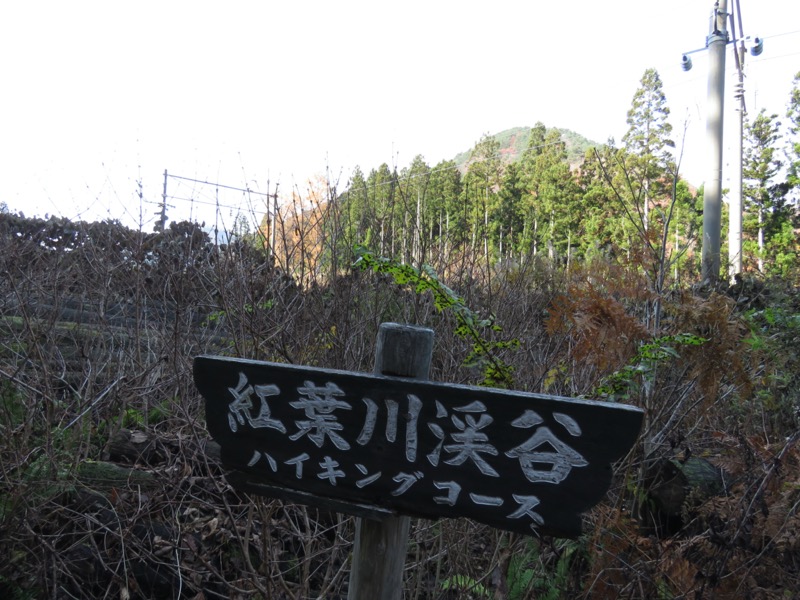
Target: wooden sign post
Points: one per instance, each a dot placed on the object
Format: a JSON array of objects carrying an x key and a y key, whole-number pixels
[
  {"x": 382, "y": 445},
  {"x": 379, "y": 551}
]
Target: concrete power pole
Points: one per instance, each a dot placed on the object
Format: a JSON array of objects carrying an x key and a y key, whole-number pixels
[
  {"x": 736, "y": 202},
  {"x": 712, "y": 198}
]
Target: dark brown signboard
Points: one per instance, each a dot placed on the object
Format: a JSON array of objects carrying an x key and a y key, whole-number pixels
[{"x": 372, "y": 445}]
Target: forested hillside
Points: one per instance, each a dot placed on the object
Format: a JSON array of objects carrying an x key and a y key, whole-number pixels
[
  {"x": 513, "y": 143},
  {"x": 539, "y": 275},
  {"x": 616, "y": 201}
]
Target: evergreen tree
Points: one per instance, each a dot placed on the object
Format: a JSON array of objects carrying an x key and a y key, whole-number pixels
[
  {"x": 507, "y": 224},
  {"x": 605, "y": 228},
  {"x": 529, "y": 187},
  {"x": 558, "y": 193},
  {"x": 551, "y": 193},
  {"x": 657, "y": 203},
  {"x": 481, "y": 184},
  {"x": 536, "y": 143},
  {"x": 447, "y": 214},
  {"x": 788, "y": 258},
  {"x": 793, "y": 113},
  {"x": 767, "y": 214},
  {"x": 382, "y": 194},
  {"x": 355, "y": 211},
  {"x": 413, "y": 191},
  {"x": 647, "y": 140}
]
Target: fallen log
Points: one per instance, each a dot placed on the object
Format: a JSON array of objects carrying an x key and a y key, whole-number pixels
[{"x": 105, "y": 476}]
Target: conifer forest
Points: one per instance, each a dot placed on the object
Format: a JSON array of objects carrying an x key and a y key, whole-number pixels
[{"x": 543, "y": 262}]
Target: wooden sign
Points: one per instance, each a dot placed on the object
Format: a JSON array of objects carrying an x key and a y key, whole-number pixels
[{"x": 373, "y": 445}]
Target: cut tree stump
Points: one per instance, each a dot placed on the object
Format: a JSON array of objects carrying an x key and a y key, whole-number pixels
[
  {"x": 132, "y": 446},
  {"x": 672, "y": 487}
]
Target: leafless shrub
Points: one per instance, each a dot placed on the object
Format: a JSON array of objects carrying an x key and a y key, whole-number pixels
[{"x": 109, "y": 486}]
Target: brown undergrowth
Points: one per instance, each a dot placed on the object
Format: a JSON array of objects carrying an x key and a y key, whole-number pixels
[{"x": 109, "y": 486}]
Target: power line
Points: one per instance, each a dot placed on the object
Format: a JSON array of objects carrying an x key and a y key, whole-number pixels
[
  {"x": 433, "y": 170},
  {"x": 205, "y": 202},
  {"x": 428, "y": 172},
  {"x": 769, "y": 58},
  {"x": 682, "y": 83},
  {"x": 775, "y": 35},
  {"x": 245, "y": 207},
  {"x": 228, "y": 187}
]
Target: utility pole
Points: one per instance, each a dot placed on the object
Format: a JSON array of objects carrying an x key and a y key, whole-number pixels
[
  {"x": 736, "y": 201},
  {"x": 162, "y": 222},
  {"x": 716, "y": 42},
  {"x": 712, "y": 198},
  {"x": 737, "y": 189}
]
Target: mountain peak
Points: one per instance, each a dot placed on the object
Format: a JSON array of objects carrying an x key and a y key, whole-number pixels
[{"x": 513, "y": 142}]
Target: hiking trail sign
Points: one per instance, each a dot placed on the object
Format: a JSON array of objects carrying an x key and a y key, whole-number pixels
[{"x": 377, "y": 446}]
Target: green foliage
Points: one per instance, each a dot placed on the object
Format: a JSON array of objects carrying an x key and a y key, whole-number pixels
[
  {"x": 649, "y": 128},
  {"x": 514, "y": 142},
  {"x": 483, "y": 178},
  {"x": 506, "y": 223},
  {"x": 793, "y": 113},
  {"x": 529, "y": 576},
  {"x": 470, "y": 325},
  {"x": 464, "y": 583},
  {"x": 12, "y": 591},
  {"x": 640, "y": 371},
  {"x": 134, "y": 418},
  {"x": 550, "y": 193},
  {"x": 655, "y": 220},
  {"x": 12, "y": 407},
  {"x": 649, "y": 168},
  {"x": 774, "y": 331},
  {"x": 371, "y": 209},
  {"x": 770, "y": 246},
  {"x": 604, "y": 228},
  {"x": 518, "y": 193},
  {"x": 444, "y": 206}
]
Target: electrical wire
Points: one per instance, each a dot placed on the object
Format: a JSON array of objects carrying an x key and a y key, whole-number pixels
[
  {"x": 229, "y": 187},
  {"x": 390, "y": 182},
  {"x": 396, "y": 179}
]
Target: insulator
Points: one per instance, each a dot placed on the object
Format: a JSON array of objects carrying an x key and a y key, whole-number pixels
[{"x": 756, "y": 46}]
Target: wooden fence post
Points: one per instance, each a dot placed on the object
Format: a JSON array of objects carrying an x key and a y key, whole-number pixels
[{"x": 380, "y": 547}]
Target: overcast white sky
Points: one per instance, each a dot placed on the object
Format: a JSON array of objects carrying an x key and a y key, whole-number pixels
[{"x": 99, "y": 95}]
